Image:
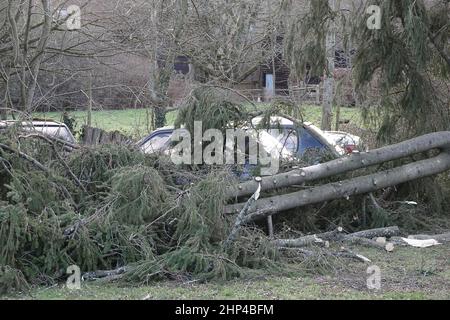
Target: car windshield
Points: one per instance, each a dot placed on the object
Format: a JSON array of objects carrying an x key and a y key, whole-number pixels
[
  {"x": 156, "y": 143},
  {"x": 284, "y": 141}
]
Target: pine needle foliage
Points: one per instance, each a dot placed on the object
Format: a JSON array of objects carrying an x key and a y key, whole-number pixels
[
  {"x": 93, "y": 166},
  {"x": 138, "y": 195},
  {"x": 306, "y": 35},
  {"x": 407, "y": 58},
  {"x": 215, "y": 108},
  {"x": 199, "y": 233},
  {"x": 132, "y": 213},
  {"x": 12, "y": 280}
]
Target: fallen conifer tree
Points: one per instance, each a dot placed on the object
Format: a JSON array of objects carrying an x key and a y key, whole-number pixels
[{"x": 111, "y": 207}]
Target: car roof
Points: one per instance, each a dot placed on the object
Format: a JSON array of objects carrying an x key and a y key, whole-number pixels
[
  {"x": 165, "y": 128},
  {"x": 275, "y": 120},
  {"x": 35, "y": 123}
]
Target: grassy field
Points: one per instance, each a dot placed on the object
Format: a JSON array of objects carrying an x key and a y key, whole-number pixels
[
  {"x": 135, "y": 121},
  {"x": 407, "y": 273}
]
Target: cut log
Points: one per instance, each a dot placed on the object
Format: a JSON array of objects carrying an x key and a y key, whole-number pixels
[
  {"x": 103, "y": 274},
  {"x": 440, "y": 238},
  {"x": 353, "y": 162},
  {"x": 322, "y": 239},
  {"x": 311, "y": 240},
  {"x": 381, "y": 240},
  {"x": 347, "y": 188},
  {"x": 359, "y": 238},
  {"x": 398, "y": 241},
  {"x": 376, "y": 233},
  {"x": 389, "y": 247},
  {"x": 344, "y": 253},
  {"x": 368, "y": 243}
]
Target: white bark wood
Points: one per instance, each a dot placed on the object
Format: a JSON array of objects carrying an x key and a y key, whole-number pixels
[
  {"x": 347, "y": 188},
  {"x": 363, "y": 238},
  {"x": 445, "y": 237},
  {"x": 346, "y": 164}
]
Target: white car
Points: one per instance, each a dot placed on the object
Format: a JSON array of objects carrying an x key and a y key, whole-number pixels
[
  {"x": 290, "y": 138},
  {"x": 49, "y": 128}
]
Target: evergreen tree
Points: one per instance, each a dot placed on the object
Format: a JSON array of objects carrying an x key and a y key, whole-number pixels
[{"x": 408, "y": 56}]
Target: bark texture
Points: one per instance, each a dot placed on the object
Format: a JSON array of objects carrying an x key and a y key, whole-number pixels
[
  {"x": 347, "y": 188},
  {"x": 347, "y": 164}
]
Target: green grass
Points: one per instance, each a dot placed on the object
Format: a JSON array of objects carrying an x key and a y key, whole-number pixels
[
  {"x": 407, "y": 274},
  {"x": 135, "y": 122},
  {"x": 314, "y": 114}
]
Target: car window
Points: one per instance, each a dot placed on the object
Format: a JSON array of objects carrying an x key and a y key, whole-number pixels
[
  {"x": 156, "y": 143},
  {"x": 284, "y": 140},
  {"x": 59, "y": 132},
  {"x": 308, "y": 142}
]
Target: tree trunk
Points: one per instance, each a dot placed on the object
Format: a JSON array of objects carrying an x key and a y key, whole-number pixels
[
  {"x": 347, "y": 188},
  {"x": 36, "y": 61},
  {"x": 160, "y": 86},
  {"x": 344, "y": 165}
]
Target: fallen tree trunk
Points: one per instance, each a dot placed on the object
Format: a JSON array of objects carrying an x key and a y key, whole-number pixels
[
  {"x": 358, "y": 238},
  {"x": 347, "y": 188},
  {"x": 104, "y": 274},
  {"x": 312, "y": 240},
  {"x": 368, "y": 243},
  {"x": 404, "y": 149},
  {"x": 343, "y": 253},
  {"x": 377, "y": 233}
]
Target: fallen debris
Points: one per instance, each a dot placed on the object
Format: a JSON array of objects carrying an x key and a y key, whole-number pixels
[
  {"x": 113, "y": 207},
  {"x": 389, "y": 247},
  {"x": 343, "y": 165},
  {"x": 345, "y": 189},
  {"x": 375, "y": 233},
  {"x": 322, "y": 239},
  {"x": 444, "y": 238},
  {"x": 421, "y": 243},
  {"x": 357, "y": 238}
]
